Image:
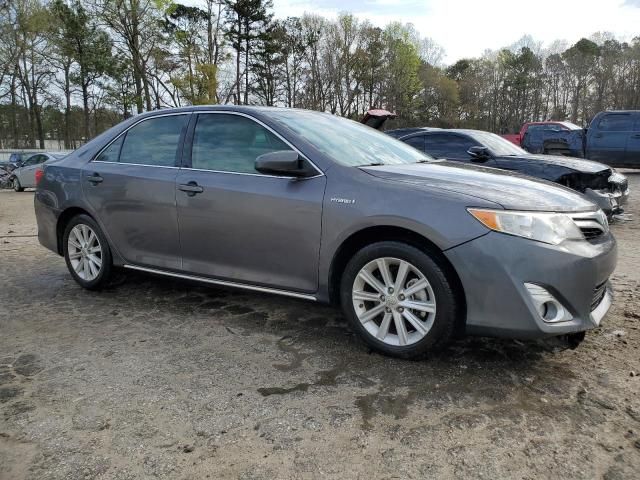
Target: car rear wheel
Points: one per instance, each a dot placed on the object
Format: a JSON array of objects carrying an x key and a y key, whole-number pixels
[
  {"x": 398, "y": 299},
  {"x": 87, "y": 253},
  {"x": 16, "y": 185}
]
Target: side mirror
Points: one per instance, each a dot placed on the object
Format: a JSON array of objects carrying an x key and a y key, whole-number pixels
[
  {"x": 479, "y": 154},
  {"x": 284, "y": 162}
]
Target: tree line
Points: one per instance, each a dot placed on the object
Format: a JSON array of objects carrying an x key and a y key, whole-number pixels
[{"x": 70, "y": 69}]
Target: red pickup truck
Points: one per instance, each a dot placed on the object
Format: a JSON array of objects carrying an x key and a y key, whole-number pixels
[{"x": 530, "y": 126}]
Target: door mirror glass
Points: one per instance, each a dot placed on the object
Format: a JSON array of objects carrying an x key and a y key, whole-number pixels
[
  {"x": 283, "y": 162},
  {"x": 478, "y": 153}
]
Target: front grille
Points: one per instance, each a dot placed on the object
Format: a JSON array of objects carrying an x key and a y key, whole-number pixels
[
  {"x": 593, "y": 225},
  {"x": 591, "y": 233},
  {"x": 598, "y": 294}
]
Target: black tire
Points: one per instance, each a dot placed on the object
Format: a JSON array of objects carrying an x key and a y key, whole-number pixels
[
  {"x": 447, "y": 311},
  {"x": 16, "y": 185},
  {"x": 104, "y": 275}
]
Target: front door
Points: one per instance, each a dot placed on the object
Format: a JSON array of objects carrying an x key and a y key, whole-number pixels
[
  {"x": 27, "y": 173},
  {"x": 240, "y": 225},
  {"x": 131, "y": 187},
  {"x": 607, "y": 141}
]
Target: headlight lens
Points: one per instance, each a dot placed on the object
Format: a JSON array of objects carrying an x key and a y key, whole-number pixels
[{"x": 552, "y": 228}]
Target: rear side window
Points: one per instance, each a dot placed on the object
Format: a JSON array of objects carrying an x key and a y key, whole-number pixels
[
  {"x": 231, "y": 143},
  {"x": 616, "y": 123},
  {"x": 443, "y": 145},
  {"x": 151, "y": 142}
]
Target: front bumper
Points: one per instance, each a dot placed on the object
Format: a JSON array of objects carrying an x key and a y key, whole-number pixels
[
  {"x": 494, "y": 268},
  {"x": 610, "y": 201}
]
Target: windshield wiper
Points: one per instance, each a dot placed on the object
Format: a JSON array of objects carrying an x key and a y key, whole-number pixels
[{"x": 372, "y": 164}]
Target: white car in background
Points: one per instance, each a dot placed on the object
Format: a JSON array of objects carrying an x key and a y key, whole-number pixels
[{"x": 24, "y": 176}]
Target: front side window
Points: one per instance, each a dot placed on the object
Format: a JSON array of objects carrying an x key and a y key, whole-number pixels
[
  {"x": 231, "y": 143},
  {"x": 33, "y": 160},
  {"x": 446, "y": 145},
  {"x": 151, "y": 142},
  {"x": 616, "y": 123}
]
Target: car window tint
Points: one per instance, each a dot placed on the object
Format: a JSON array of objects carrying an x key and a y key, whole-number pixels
[
  {"x": 231, "y": 143},
  {"x": 416, "y": 142},
  {"x": 616, "y": 123},
  {"x": 154, "y": 141},
  {"x": 111, "y": 153},
  {"x": 33, "y": 160},
  {"x": 443, "y": 145}
]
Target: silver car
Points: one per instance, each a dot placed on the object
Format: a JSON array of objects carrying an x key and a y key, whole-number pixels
[
  {"x": 313, "y": 206},
  {"x": 24, "y": 176}
]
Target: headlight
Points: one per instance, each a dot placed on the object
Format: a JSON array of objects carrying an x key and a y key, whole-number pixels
[{"x": 553, "y": 228}]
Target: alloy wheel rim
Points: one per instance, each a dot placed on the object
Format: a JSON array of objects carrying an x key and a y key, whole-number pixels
[
  {"x": 85, "y": 252},
  {"x": 394, "y": 301}
]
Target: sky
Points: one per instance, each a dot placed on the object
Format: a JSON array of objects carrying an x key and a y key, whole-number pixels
[{"x": 466, "y": 28}]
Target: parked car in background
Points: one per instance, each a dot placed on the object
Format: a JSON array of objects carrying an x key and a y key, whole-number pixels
[
  {"x": 24, "y": 176},
  {"x": 313, "y": 206},
  {"x": 613, "y": 138},
  {"x": 608, "y": 189},
  {"x": 530, "y": 128}
]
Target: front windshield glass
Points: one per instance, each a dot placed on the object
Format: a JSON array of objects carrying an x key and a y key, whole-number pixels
[
  {"x": 571, "y": 126},
  {"x": 498, "y": 146},
  {"x": 347, "y": 142}
]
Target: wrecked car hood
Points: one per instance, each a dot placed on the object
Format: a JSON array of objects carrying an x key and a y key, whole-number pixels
[
  {"x": 510, "y": 190},
  {"x": 578, "y": 164}
]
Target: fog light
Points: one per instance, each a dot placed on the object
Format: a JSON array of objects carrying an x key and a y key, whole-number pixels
[{"x": 548, "y": 307}]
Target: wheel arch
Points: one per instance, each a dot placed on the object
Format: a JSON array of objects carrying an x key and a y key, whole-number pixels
[
  {"x": 64, "y": 219},
  {"x": 375, "y": 234}
]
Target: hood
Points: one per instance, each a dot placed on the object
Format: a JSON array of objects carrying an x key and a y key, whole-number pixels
[
  {"x": 510, "y": 190},
  {"x": 578, "y": 164}
]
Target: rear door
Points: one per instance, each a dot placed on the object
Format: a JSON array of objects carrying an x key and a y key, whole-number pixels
[
  {"x": 27, "y": 173},
  {"x": 241, "y": 225},
  {"x": 607, "y": 139},
  {"x": 131, "y": 187}
]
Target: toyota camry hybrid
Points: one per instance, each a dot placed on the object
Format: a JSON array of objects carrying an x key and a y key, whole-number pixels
[{"x": 313, "y": 206}]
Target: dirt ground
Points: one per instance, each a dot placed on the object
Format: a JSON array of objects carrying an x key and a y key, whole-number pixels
[{"x": 159, "y": 379}]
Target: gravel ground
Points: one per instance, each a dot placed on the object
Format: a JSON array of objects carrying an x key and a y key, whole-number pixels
[{"x": 159, "y": 379}]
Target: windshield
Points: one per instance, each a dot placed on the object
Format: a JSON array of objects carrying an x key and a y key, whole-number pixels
[
  {"x": 498, "y": 146},
  {"x": 347, "y": 142},
  {"x": 571, "y": 126}
]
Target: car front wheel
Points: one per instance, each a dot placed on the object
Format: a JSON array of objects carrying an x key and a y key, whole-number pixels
[
  {"x": 16, "y": 185},
  {"x": 399, "y": 300},
  {"x": 87, "y": 253}
]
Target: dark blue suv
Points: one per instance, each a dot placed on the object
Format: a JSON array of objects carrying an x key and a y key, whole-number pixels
[{"x": 613, "y": 138}]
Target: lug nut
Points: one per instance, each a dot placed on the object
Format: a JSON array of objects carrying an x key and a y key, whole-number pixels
[
  {"x": 400, "y": 309},
  {"x": 401, "y": 297},
  {"x": 382, "y": 298},
  {"x": 388, "y": 310},
  {"x": 390, "y": 289}
]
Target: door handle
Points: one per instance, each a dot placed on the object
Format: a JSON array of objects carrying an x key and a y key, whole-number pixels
[
  {"x": 598, "y": 135},
  {"x": 191, "y": 188},
  {"x": 636, "y": 136},
  {"x": 95, "y": 179}
]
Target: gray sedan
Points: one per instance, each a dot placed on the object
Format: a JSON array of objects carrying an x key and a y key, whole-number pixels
[
  {"x": 312, "y": 206},
  {"x": 24, "y": 176}
]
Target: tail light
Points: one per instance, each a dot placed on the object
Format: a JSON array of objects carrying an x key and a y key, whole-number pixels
[{"x": 39, "y": 175}]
